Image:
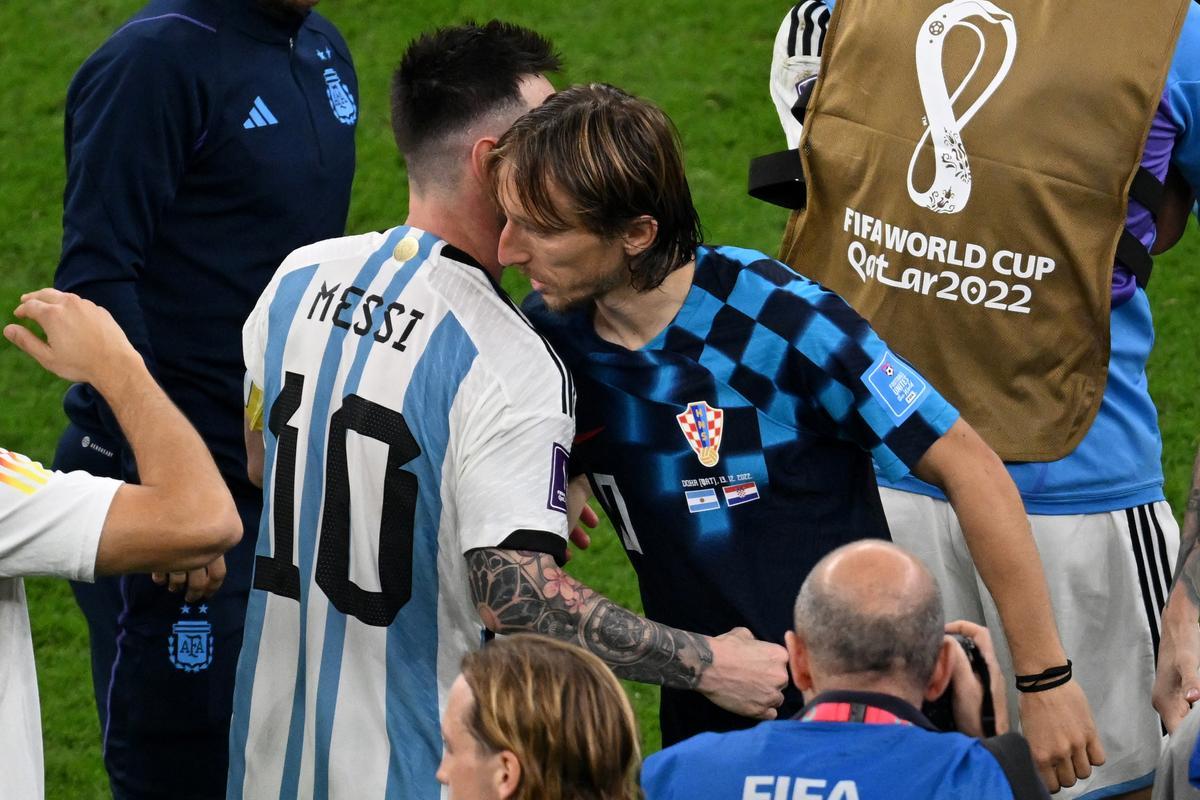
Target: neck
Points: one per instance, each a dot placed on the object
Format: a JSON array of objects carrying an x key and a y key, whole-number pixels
[
  {"x": 865, "y": 682},
  {"x": 632, "y": 319},
  {"x": 462, "y": 222}
]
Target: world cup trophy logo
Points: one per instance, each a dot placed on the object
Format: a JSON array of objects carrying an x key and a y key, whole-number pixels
[
  {"x": 951, "y": 186},
  {"x": 701, "y": 425}
]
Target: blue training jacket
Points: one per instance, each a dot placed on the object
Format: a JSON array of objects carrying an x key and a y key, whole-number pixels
[{"x": 205, "y": 140}]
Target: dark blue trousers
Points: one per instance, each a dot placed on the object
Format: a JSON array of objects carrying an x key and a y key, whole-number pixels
[{"x": 163, "y": 670}]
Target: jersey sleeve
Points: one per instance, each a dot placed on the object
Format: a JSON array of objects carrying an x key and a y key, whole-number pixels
[
  {"x": 795, "y": 62},
  {"x": 843, "y": 379},
  {"x": 133, "y": 119},
  {"x": 50, "y": 522},
  {"x": 254, "y": 352},
  {"x": 511, "y": 487},
  {"x": 1183, "y": 94}
]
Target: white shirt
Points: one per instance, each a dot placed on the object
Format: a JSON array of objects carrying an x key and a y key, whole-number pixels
[
  {"x": 50, "y": 524},
  {"x": 412, "y": 415}
]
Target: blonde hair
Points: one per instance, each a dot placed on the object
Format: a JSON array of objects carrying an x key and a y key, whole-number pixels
[{"x": 562, "y": 712}]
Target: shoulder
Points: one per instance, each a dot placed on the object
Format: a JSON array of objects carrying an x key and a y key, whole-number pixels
[
  {"x": 515, "y": 353},
  {"x": 738, "y": 275},
  {"x": 775, "y": 296},
  {"x": 165, "y": 38},
  {"x": 340, "y": 254},
  {"x": 356, "y": 247},
  {"x": 1183, "y": 79},
  {"x": 318, "y": 24},
  {"x": 698, "y": 765},
  {"x": 164, "y": 26}
]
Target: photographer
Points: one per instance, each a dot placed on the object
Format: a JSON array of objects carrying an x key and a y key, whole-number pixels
[{"x": 868, "y": 648}]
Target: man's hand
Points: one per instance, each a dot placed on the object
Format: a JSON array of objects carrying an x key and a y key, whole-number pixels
[
  {"x": 747, "y": 676},
  {"x": 968, "y": 693},
  {"x": 199, "y": 583},
  {"x": 1176, "y": 686},
  {"x": 579, "y": 513},
  {"x": 1062, "y": 736},
  {"x": 83, "y": 343}
]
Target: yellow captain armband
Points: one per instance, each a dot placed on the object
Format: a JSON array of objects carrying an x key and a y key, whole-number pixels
[{"x": 254, "y": 406}]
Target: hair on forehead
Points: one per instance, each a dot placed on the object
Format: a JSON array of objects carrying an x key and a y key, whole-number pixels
[{"x": 597, "y": 157}]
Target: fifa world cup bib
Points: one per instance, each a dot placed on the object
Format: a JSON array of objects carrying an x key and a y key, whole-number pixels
[{"x": 968, "y": 166}]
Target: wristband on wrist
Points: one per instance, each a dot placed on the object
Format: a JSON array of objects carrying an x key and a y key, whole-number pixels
[{"x": 1045, "y": 680}]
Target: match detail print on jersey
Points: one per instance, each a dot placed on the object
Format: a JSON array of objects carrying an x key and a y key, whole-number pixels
[{"x": 951, "y": 187}]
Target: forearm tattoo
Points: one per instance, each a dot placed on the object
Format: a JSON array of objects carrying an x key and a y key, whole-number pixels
[
  {"x": 1188, "y": 570},
  {"x": 518, "y": 591}
]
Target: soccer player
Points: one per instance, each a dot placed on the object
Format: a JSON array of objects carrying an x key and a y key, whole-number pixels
[
  {"x": 417, "y": 432},
  {"x": 78, "y": 526},
  {"x": 205, "y": 140},
  {"x": 729, "y": 409}
]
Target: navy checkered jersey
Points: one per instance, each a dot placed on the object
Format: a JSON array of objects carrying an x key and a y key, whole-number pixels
[{"x": 735, "y": 449}]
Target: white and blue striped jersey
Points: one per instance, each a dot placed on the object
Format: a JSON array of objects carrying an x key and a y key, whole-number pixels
[{"x": 411, "y": 414}]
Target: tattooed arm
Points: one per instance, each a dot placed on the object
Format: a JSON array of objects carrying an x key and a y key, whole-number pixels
[
  {"x": 1176, "y": 686},
  {"x": 518, "y": 591}
]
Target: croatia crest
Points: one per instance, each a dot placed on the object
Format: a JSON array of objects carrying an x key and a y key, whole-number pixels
[
  {"x": 340, "y": 99},
  {"x": 190, "y": 645},
  {"x": 702, "y": 424}
]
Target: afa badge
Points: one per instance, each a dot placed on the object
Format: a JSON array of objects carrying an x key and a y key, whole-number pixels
[
  {"x": 701, "y": 425},
  {"x": 190, "y": 644},
  {"x": 340, "y": 99}
]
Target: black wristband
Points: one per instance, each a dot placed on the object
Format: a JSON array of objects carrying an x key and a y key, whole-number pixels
[{"x": 1043, "y": 681}]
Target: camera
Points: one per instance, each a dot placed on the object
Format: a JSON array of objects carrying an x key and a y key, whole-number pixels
[{"x": 941, "y": 711}]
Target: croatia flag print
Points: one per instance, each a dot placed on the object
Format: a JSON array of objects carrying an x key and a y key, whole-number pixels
[{"x": 740, "y": 493}]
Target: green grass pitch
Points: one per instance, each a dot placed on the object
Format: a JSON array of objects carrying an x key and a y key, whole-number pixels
[{"x": 705, "y": 63}]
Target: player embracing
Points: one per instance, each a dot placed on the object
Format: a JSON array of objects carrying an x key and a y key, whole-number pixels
[{"x": 413, "y": 458}]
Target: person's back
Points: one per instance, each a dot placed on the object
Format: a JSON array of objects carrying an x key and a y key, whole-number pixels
[
  {"x": 393, "y": 368},
  {"x": 835, "y": 760},
  {"x": 867, "y": 648}
]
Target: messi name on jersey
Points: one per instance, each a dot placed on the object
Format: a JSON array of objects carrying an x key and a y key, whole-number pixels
[{"x": 363, "y": 314}]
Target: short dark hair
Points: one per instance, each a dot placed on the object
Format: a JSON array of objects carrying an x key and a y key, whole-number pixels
[
  {"x": 452, "y": 76},
  {"x": 616, "y": 157},
  {"x": 842, "y": 637}
]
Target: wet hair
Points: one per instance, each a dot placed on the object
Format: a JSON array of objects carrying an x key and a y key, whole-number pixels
[
  {"x": 616, "y": 158},
  {"x": 450, "y": 77},
  {"x": 561, "y": 711}
]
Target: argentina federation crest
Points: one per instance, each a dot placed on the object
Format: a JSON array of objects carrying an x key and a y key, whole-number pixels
[
  {"x": 701, "y": 425},
  {"x": 190, "y": 645},
  {"x": 340, "y": 99}
]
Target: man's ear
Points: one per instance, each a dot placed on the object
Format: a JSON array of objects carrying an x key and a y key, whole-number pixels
[
  {"x": 508, "y": 776},
  {"x": 798, "y": 661},
  {"x": 479, "y": 153},
  {"x": 943, "y": 670},
  {"x": 640, "y": 235}
]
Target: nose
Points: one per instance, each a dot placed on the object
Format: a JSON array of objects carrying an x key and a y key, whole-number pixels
[
  {"x": 510, "y": 250},
  {"x": 442, "y": 775}
]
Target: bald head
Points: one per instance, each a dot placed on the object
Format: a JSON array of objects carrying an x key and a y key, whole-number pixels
[{"x": 870, "y": 607}]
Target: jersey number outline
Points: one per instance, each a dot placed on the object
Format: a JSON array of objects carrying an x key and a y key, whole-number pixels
[
  {"x": 278, "y": 574},
  {"x": 614, "y": 505}
]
